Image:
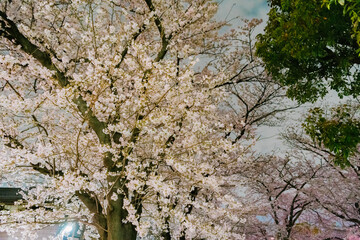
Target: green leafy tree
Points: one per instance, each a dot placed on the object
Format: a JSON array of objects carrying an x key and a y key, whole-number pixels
[
  {"x": 338, "y": 131},
  {"x": 312, "y": 47},
  {"x": 309, "y": 48}
]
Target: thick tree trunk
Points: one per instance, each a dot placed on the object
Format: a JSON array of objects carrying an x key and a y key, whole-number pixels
[
  {"x": 116, "y": 214},
  {"x": 117, "y": 229},
  {"x": 100, "y": 223}
]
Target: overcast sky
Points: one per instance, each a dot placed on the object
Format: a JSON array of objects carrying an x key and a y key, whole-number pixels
[
  {"x": 236, "y": 10},
  {"x": 244, "y": 8}
]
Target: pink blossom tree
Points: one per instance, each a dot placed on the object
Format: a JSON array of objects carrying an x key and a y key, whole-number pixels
[
  {"x": 298, "y": 197},
  {"x": 338, "y": 188}
]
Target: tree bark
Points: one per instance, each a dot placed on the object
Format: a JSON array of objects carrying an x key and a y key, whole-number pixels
[
  {"x": 117, "y": 229},
  {"x": 116, "y": 214}
]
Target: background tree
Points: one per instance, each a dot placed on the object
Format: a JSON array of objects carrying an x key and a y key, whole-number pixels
[
  {"x": 278, "y": 184},
  {"x": 255, "y": 99},
  {"x": 300, "y": 196},
  {"x": 337, "y": 188},
  {"x": 309, "y": 48},
  {"x": 310, "y": 198},
  {"x": 338, "y": 131}
]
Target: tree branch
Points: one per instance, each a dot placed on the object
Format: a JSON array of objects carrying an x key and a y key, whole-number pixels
[
  {"x": 94, "y": 206},
  {"x": 126, "y": 49},
  {"x": 10, "y": 31},
  {"x": 164, "y": 40}
]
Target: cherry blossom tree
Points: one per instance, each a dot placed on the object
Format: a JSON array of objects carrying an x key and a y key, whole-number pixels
[
  {"x": 255, "y": 99},
  {"x": 300, "y": 196},
  {"x": 107, "y": 103},
  {"x": 304, "y": 195},
  {"x": 278, "y": 184},
  {"x": 338, "y": 188}
]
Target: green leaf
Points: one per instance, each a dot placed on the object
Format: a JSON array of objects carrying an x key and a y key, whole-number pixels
[{"x": 341, "y": 2}]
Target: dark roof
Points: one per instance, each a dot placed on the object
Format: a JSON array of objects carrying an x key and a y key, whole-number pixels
[{"x": 9, "y": 195}]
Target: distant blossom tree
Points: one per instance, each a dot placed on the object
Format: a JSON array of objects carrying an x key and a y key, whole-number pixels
[
  {"x": 300, "y": 196},
  {"x": 337, "y": 188},
  {"x": 277, "y": 185}
]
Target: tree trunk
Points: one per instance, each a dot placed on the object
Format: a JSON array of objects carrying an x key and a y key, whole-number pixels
[
  {"x": 166, "y": 234},
  {"x": 117, "y": 229},
  {"x": 101, "y": 222}
]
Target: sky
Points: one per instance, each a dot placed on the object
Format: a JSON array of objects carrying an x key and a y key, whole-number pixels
[{"x": 243, "y": 8}]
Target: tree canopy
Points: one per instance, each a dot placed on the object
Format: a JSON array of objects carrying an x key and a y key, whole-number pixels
[
  {"x": 309, "y": 48},
  {"x": 312, "y": 48},
  {"x": 352, "y": 9},
  {"x": 338, "y": 131}
]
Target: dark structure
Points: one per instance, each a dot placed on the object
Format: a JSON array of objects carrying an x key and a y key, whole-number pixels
[{"x": 9, "y": 195}]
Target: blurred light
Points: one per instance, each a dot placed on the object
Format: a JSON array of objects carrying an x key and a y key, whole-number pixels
[{"x": 68, "y": 229}]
